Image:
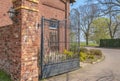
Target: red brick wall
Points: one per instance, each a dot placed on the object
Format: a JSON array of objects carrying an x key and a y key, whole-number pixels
[
  {"x": 4, "y": 7},
  {"x": 58, "y": 10},
  {"x": 10, "y": 50},
  {"x": 48, "y": 8},
  {"x": 53, "y": 9}
]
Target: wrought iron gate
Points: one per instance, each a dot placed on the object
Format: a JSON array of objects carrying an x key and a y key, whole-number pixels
[{"x": 59, "y": 47}]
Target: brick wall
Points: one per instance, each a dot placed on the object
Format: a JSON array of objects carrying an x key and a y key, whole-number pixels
[
  {"x": 55, "y": 8},
  {"x": 4, "y": 7},
  {"x": 10, "y": 50}
]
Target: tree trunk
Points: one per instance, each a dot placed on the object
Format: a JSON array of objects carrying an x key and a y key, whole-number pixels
[
  {"x": 87, "y": 41},
  {"x": 111, "y": 36}
]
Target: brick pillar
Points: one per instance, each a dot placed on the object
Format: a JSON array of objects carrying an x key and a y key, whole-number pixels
[{"x": 28, "y": 19}]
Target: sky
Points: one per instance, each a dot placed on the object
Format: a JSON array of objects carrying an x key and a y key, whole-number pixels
[{"x": 77, "y": 3}]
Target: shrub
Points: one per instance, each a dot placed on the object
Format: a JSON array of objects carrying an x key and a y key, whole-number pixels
[
  {"x": 84, "y": 50},
  {"x": 83, "y": 56},
  {"x": 95, "y": 52},
  {"x": 90, "y": 56},
  {"x": 68, "y": 53}
]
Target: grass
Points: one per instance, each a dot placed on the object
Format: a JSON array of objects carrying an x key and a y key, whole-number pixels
[
  {"x": 4, "y": 76},
  {"x": 90, "y": 44}
]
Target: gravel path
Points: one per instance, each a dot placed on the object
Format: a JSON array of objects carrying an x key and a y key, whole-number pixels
[{"x": 107, "y": 70}]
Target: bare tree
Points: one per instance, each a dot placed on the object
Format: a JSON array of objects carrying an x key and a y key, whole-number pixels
[
  {"x": 117, "y": 35},
  {"x": 113, "y": 24},
  {"x": 114, "y": 4},
  {"x": 85, "y": 15},
  {"x": 111, "y": 10}
]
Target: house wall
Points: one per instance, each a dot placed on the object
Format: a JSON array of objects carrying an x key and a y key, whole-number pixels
[
  {"x": 59, "y": 10},
  {"x": 20, "y": 40},
  {"x": 10, "y": 50},
  {"x": 10, "y": 42},
  {"x": 55, "y": 8},
  {"x": 4, "y": 7}
]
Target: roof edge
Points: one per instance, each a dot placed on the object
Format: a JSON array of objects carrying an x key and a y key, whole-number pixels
[{"x": 72, "y": 1}]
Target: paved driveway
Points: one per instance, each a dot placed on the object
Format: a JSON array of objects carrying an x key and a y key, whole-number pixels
[{"x": 107, "y": 70}]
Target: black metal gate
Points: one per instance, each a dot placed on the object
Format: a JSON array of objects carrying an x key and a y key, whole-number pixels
[{"x": 59, "y": 47}]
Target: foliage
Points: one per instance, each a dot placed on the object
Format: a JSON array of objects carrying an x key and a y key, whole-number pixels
[
  {"x": 111, "y": 9},
  {"x": 113, "y": 24},
  {"x": 83, "y": 56},
  {"x": 83, "y": 17},
  {"x": 110, "y": 43},
  {"x": 84, "y": 50},
  {"x": 68, "y": 53},
  {"x": 100, "y": 19},
  {"x": 90, "y": 55},
  {"x": 4, "y": 76},
  {"x": 99, "y": 30},
  {"x": 95, "y": 52}
]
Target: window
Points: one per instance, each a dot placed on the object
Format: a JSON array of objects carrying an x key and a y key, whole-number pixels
[
  {"x": 53, "y": 24},
  {"x": 53, "y": 42}
]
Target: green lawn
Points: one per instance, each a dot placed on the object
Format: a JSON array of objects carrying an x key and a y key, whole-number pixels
[
  {"x": 4, "y": 76},
  {"x": 90, "y": 44}
]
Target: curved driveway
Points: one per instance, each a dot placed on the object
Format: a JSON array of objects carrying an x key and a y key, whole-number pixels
[{"x": 107, "y": 70}]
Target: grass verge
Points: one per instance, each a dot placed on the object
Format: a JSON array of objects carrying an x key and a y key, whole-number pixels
[
  {"x": 83, "y": 44},
  {"x": 4, "y": 76}
]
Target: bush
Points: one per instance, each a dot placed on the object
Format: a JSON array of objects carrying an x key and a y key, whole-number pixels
[
  {"x": 68, "y": 53},
  {"x": 83, "y": 56},
  {"x": 95, "y": 52},
  {"x": 84, "y": 50},
  {"x": 90, "y": 56}
]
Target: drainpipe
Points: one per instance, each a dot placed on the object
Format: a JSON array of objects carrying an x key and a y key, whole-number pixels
[{"x": 66, "y": 22}]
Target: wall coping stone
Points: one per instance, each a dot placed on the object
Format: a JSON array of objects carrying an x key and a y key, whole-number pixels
[
  {"x": 34, "y": 1},
  {"x": 27, "y": 8}
]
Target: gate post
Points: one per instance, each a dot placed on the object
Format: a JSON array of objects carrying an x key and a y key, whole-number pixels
[{"x": 27, "y": 19}]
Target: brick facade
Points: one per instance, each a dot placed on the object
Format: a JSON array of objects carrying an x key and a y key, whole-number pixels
[
  {"x": 20, "y": 40},
  {"x": 10, "y": 50},
  {"x": 4, "y": 7}
]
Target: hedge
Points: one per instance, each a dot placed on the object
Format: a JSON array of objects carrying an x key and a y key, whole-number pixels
[{"x": 110, "y": 43}]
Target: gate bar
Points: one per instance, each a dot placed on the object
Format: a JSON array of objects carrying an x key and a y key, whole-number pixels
[{"x": 42, "y": 44}]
